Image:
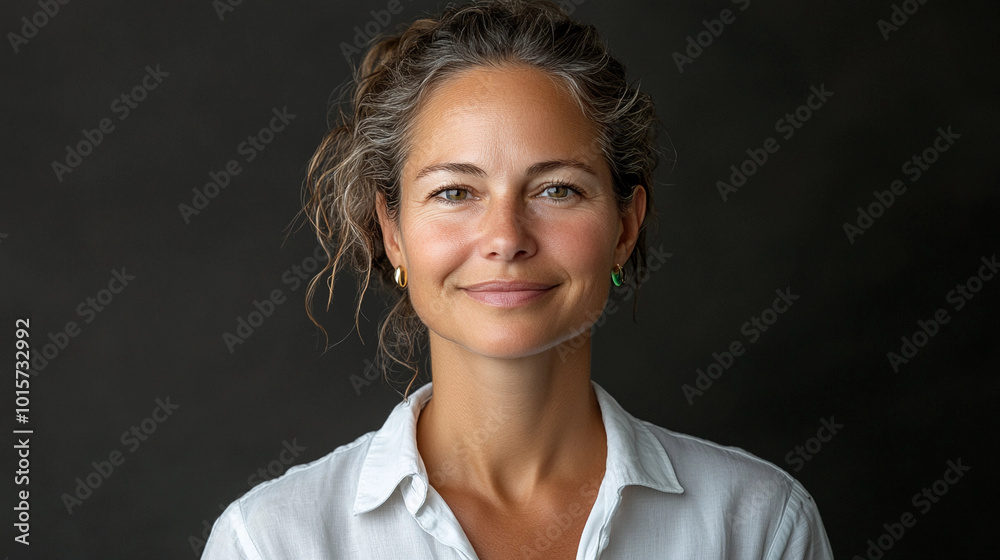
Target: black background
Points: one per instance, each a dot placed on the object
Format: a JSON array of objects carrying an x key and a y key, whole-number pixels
[{"x": 827, "y": 356}]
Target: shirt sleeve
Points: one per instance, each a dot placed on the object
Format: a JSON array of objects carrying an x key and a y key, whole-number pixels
[
  {"x": 229, "y": 539},
  {"x": 800, "y": 535}
]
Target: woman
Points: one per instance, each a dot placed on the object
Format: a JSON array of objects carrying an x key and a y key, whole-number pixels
[{"x": 496, "y": 173}]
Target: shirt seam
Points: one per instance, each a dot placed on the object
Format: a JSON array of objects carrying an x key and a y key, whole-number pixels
[
  {"x": 243, "y": 533},
  {"x": 730, "y": 449},
  {"x": 781, "y": 523},
  {"x": 306, "y": 467},
  {"x": 795, "y": 489}
]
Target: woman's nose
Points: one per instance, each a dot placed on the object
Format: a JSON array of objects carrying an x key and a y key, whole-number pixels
[{"x": 506, "y": 228}]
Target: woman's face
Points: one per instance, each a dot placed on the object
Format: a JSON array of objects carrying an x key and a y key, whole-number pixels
[{"x": 504, "y": 183}]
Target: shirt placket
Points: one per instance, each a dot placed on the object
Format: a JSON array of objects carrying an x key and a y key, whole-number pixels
[
  {"x": 595, "y": 537},
  {"x": 434, "y": 516}
]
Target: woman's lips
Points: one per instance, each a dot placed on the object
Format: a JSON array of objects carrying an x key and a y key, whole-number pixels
[
  {"x": 506, "y": 298},
  {"x": 507, "y": 294}
]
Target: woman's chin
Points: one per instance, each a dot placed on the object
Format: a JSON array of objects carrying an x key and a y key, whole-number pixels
[{"x": 507, "y": 342}]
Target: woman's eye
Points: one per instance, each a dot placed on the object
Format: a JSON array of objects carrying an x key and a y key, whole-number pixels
[
  {"x": 561, "y": 192},
  {"x": 558, "y": 191},
  {"x": 555, "y": 192},
  {"x": 453, "y": 195}
]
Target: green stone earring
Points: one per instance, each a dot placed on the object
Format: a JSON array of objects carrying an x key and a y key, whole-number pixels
[{"x": 618, "y": 275}]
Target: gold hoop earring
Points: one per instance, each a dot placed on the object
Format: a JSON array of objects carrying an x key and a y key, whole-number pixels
[
  {"x": 400, "y": 276},
  {"x": 618, "y": 275}
]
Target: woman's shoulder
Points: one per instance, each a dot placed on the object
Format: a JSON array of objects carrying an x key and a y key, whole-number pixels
[
  {"x": 730, "y": 483},
  {"x": 735, "y": 495},
  {"x": 706, "y": 473},
  {"x": 334, "y": 473},
  {"x": 698, "y": 461},
  {"x": 294, "y": 492},
  {"x": 323, "y": 488}
]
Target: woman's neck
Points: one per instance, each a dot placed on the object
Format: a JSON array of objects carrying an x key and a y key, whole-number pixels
[{"x": 507, "y": 430}]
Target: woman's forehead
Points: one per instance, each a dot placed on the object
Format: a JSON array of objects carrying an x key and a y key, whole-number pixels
[
  {"x": 511, "y": 113},
  {"x": 499, "y": 92}
]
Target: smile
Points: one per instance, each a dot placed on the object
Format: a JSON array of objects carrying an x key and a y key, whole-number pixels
[{"x": 506, "y": 296}]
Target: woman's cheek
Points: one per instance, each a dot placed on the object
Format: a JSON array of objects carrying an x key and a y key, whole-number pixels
[
  {"x": 442, "y": 242},
  {"x": 430, "y": 232},
  {"x": 591, "y": 239},
  {"x": 437, "y": 248}
]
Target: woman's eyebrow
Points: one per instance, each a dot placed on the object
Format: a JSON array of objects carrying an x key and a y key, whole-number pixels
[{"x": 540, "y": 167}]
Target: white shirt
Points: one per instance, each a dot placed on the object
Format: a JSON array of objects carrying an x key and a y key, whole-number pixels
[{"x": 664, "y": 496}]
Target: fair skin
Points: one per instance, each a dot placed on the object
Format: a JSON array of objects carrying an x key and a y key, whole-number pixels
[{"x": 513, "y": 434}]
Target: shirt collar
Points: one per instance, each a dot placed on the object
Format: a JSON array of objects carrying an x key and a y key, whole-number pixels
[{"x": 635, "y": 456}]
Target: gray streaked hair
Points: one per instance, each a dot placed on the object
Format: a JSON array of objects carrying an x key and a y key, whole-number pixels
[{"x": 364, "y": 151}]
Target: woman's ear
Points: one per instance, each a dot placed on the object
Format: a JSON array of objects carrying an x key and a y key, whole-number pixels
[
  {"x": 631, "y": 224},
  {"x": 390, "y": 233}
]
